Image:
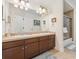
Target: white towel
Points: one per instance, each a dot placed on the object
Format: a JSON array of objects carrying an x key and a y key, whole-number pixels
[{"x": 65, "y": 30}]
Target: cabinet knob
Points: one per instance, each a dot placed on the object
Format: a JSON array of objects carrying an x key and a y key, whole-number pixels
[{"x": 23, "y": 48}]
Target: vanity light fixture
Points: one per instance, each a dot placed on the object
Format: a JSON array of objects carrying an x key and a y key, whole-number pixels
[
  {"x": 42, "y": 10},
  {"x": 26, "y": 8},
  {"x": 27, "y": 4},
  {"x": 22, "y": 4},
  {"x": 21, "y": 7}
]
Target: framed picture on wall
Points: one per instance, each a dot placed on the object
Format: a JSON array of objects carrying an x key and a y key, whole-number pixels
[
  {"x": 44, "y": 22},
  {"x": 53, "y": 20},
  {"x": 37, "y": 22}
]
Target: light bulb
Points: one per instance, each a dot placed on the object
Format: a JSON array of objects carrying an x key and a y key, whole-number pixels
[
  {"x": 44, "y": 10},
  {"x": 28, "y": 5},
  {"x": 15, "y": 5},
  {"x": 40, "y": 8},
  {"x": 40, "y": 12},
  {"x": 22, "y": 3},
  {"x": 26, "y": 9},
  {"x": 21, "y": 7}
]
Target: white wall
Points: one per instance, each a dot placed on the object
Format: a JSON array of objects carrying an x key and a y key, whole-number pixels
[
  {"x": 5, "y": 14},
  {"x": 72, "y": 3},
  {"x": 57, "y": 11}
]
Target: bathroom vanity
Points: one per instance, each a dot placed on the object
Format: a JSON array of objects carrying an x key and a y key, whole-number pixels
[{"x": 27, "y": 46}]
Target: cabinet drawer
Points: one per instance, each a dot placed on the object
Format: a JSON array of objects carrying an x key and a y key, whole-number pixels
[
  {"x": 44, "y": 37},
  {"x": 31, "y": 40},
  {"x": 13, "y": 53},
  {"x": 31, "y": 50},
  {"x": 6, "y": 45},
  {"x": 52, "y": 36}
]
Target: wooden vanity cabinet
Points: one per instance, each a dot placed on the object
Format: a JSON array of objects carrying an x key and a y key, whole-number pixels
[
  {"x": 14, "y": 51},
  {"x": 27, "y": 48},
  {"x": 51, "y": 41},
  {"x": 44, "y": 43},
  {"x": 31, "y": 48}
]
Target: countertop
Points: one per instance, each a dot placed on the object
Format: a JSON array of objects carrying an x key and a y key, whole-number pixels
[{"x": 25, "y": 36}]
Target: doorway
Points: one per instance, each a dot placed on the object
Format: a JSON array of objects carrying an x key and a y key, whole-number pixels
[{"x": 68, "y": 17}]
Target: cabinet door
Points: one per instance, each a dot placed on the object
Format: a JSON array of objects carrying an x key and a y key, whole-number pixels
[
  {"x": 14, "y": 53},
  {"x": 52, "y": 42},
  {"x": 31, "y": 50},
  {"x": 44, "y": 44}
]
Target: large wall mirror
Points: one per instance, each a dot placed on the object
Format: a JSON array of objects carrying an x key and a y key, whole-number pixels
[{"x": 16, "y": 20}]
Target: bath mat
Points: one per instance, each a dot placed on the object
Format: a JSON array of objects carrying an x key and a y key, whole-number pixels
[
  {"x": 72, "y": 46},
  {"x": 45, "y": 55},
  {"x": 50, "y": 57}
]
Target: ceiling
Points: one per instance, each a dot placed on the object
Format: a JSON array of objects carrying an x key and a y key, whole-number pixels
[
  {"x": 47, "y": 4},
  {"x": 67, "y": 7},
  {"x": 35, "y": 4}
]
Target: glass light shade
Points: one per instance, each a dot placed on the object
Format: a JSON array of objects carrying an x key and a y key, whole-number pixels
[
  {"x": 40, "y": 12},
  {"x": 44, "y": 10},
  {"x": 21, "y": 7},
  {"x": 28, "y": 5},
  {"x": 22, "y": 3},
  {"x": 26, "y": 8},
  {"x": 40, "y": 9}
]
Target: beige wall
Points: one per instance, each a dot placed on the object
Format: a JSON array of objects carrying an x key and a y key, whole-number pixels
[{"x": 70, "y": 14}]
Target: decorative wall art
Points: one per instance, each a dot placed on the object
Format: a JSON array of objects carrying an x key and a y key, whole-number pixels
[
  {"x": 37, "y": 22},
  {"x": 44, "y": 22},
  {"x": 53, "y": 20}
]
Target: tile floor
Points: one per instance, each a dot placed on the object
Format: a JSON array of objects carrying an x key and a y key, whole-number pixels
[
  {"x": 54, "y": 54},
  {"x": 69, "y": 44},
  {"x": 69, "y": 53}
]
